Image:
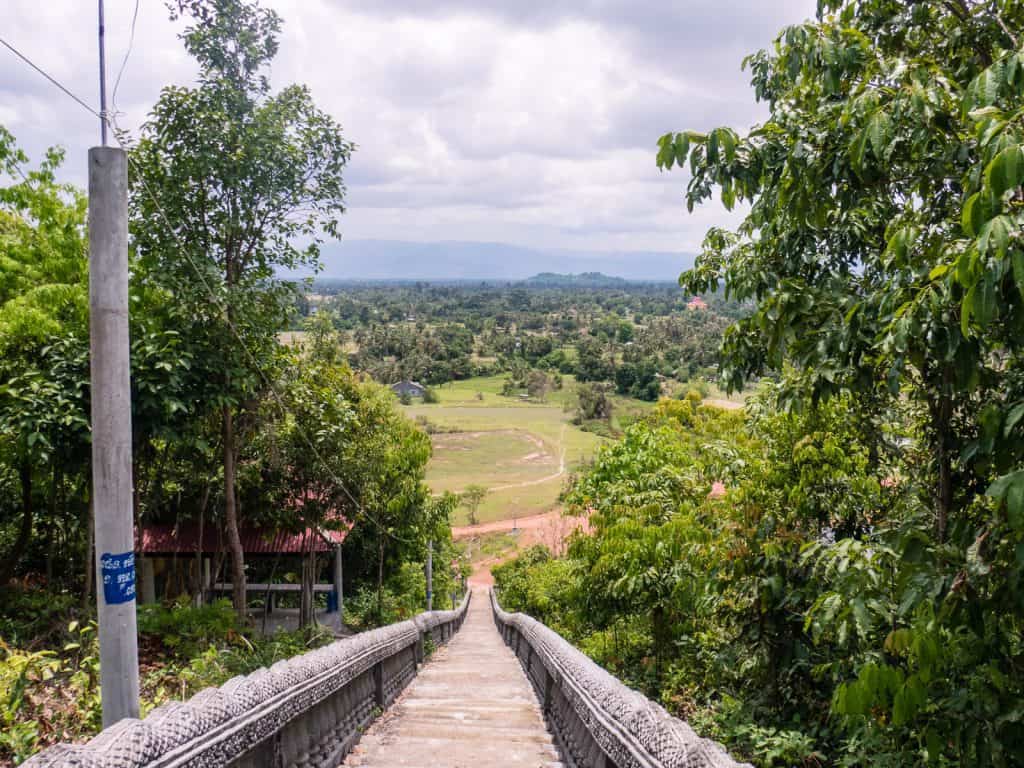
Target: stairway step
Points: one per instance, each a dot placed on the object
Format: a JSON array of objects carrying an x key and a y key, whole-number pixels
[{"x": 470, "y": 705}]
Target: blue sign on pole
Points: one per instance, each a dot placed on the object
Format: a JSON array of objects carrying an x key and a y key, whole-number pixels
[{"x": 118, "y": 577}]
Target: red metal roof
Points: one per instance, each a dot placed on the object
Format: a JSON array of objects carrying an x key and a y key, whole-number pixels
[{"x": 162, "y": 539}]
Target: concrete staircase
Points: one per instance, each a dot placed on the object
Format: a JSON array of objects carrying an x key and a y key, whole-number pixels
[{"x": 471, "y": 705}]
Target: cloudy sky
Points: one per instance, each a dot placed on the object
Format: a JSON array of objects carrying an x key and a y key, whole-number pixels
[{"x": 531, "y": 122}]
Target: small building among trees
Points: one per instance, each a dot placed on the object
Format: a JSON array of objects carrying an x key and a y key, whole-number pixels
[
  {"x": 187, "y": 559},
  {"x": 406, "y": 388}
]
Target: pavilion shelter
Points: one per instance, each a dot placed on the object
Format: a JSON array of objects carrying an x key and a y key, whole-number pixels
[{"x": 184, "y": 559}]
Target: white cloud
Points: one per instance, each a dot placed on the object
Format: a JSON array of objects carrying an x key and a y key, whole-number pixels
[{"x": 529, "y": 123}]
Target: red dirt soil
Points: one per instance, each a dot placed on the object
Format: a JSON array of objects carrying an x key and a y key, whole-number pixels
[{"x": 548, "y": 528}]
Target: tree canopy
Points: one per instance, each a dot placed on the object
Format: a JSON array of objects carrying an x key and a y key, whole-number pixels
[
  {"x": 228, "y": 179},
  {"x": 857, "y": 599}
]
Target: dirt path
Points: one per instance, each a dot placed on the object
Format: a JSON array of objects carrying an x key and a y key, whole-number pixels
[
  {"x": 530, "y": 523},
  {"x": 548, "y": 528},
  {"x": 549, "y": 478},
  {"x": 540, "y": 480}
]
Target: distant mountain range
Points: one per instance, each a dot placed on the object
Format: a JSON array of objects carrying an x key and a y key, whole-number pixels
[{"x": 457, "y": 260}]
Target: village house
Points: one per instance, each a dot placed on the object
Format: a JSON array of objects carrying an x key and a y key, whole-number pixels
[{"x": 406, "y": 388}]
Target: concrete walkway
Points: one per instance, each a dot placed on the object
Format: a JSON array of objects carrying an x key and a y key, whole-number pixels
[{"x": 470, "y": 706}]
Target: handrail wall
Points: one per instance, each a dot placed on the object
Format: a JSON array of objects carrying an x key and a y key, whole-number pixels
[
  {"x": 598, "y": 722},
  {"x": 306, "y": 711}
]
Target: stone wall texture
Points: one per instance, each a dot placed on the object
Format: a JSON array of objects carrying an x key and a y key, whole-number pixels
[
  {"x": 305, "y": 711},
  {"x": 596, "y": 720}
]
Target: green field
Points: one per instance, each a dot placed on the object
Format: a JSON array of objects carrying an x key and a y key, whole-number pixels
[
  {"x": 511, "y": 456},
  {"x": 521, "y": 450},
  {"x": 489, "y": 546}
]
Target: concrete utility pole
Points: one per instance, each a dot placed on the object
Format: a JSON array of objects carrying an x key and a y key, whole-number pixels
[
  {"x": 430, "y": 575},
  {"x": 338, "y": 583},
  {"x": 110, "y": 376},
  {"x": 112, "y": 432},
  {"x": 103, "y": 78}
]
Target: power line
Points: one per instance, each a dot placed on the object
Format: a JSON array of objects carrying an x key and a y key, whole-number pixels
[
  {"x": 52, "y": 79},
  {"x": 127, "y": 53},
  {"x": 216, "y": 299}
]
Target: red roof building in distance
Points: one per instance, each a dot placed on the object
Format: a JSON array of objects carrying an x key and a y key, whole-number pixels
[{"x": 696, "y": 303}]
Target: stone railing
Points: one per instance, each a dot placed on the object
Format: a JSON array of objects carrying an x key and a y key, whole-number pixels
[
  {"x": 598, "y": 722},
  {"x": 306, "y": 711}
]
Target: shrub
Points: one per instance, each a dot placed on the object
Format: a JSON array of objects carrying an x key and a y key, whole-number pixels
[
  {"x": 33, "y": 614},
  {"x": 19, "y": 736},
  {"x": 188, "y": 630}
]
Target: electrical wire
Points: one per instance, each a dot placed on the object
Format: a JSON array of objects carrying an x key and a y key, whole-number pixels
[
  {"x": 127, "y": 53},
  {"x": 215, "y": 298},
  {"x": 52, "y": 79}
]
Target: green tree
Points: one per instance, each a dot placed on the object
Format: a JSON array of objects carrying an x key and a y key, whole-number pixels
[
  {"x": 44, "y": 366},
  {"x": 308, "y": 440},
  {"x": 324, "y": 341},
  {"x": 882, "y": 260},
  {"x": 395, "y": 496},
  {"x": 341, "y": 455},
  {"x": 471, "y": 498},
  {"x": 43, "y": 334},
  {"x": 538, "y": 384},
  {"x": 591, "y": 362},
  {"x": 868, "y": 268},
  {"x": 228, "y": 178},
  {"x": 592, "y": 403}
]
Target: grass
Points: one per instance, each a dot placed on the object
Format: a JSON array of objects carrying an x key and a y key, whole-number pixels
[
  {"x": 487, "y": 546},
  {"x": 496, "y": 441},
  {"x": 511, "y": 456}
]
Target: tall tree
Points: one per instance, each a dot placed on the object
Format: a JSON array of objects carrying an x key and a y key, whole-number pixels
[
  {"x": 871, "y": 263},
  {"x": 43, "y": 332},
  {"x": 881, "y": 253},
  {"x": 228, "y": 178}
]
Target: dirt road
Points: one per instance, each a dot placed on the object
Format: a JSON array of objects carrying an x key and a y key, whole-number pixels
[
  {"x": 533, "y": 523},
  {"x": 549, "y": 528}
]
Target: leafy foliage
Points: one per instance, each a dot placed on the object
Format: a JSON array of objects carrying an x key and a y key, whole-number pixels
[
  {"x": 471, "y": 498},
  {"x": 436, "y": 333},
  {"x": 857, "y": 599},
  {"x": 228, "y": 177},
  {"x": 593, "y": 403},
  {"x": 187, "y": 630}
]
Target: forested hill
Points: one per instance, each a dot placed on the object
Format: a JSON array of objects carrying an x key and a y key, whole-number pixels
[{"x": 354, "y": 259}]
